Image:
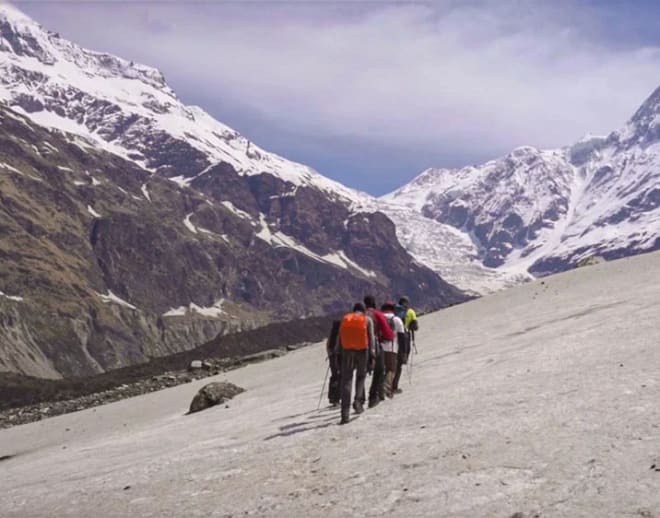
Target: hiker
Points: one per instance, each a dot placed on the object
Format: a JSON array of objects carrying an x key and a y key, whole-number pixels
[
  {"x": 391, "y": 347},
  {"x": 383, "y": 334},
  {"x": 333, "y": 349},
  {"x": 358, "y": 345},
  {"x": 410, "y": 324}
]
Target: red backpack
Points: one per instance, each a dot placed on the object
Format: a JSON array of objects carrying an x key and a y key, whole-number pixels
[
  {"x": 353, "y": 332},
  {"x": 385, "y": 334}
]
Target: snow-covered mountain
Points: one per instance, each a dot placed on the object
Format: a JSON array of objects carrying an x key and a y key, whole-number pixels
[
  {"x": 542, "y": 211},
  {"x": 540, "y": 401},
  {"x": 127, "y": 108},
  {"x": 134, "y": 226}
]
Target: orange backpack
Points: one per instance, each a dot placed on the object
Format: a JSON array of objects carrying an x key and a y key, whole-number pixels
[{"x": 353, "y": 332}]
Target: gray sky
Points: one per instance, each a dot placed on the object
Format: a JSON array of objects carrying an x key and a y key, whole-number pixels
[{"x": 372, "y": 93}]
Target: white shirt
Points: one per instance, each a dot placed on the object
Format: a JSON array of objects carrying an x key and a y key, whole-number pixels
[{"x": 392, "y": 346}]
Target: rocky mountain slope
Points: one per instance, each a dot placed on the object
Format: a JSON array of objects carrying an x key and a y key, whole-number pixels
[
  {"x": 539, "y": 212},
  {"x": 133, "y": 226},
  {"x": 540, "y": 400}
]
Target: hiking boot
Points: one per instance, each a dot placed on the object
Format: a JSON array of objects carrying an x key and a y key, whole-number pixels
[
  {"x": 373, "y": 402},
  {"x": 389, "y": 380},
  {"x": 397, "y": 391},
  {"x": 358, "y": 407},
  {"x": 344, "y": 419}
]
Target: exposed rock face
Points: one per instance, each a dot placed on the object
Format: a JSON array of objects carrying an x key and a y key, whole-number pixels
[
  {"x": 213, "y": 394},
  {"x": 114, "y": 265},
  {"x": 141, "y": 227}
]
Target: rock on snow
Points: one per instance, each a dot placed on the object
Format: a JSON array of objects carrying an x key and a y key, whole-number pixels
[
  {"x": 539, "y": 399},
  {"x": 213, "y": 394}
]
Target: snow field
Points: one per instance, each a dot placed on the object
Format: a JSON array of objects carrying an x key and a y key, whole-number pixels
[{"x": 541, "y": 398}]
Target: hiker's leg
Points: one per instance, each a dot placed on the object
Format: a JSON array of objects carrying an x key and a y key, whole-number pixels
[
  {"x": 360, "y": 375},
  {"x": 334, "y": 389},
  {"x": 402, "y": 360},
  {"x": 346, "y": 381},
  {"x": 380, "y": 367},
  {"x": 375, "y": 377},
  {"x": 390, "y": 370},
  {"x": 399, "y": 369}
]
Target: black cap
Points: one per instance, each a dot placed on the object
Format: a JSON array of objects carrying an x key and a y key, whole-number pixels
[
  {"x": 358, "y": 306},
  {"x": 370, "y": 301},
  {"x": 387, "y": 306}
]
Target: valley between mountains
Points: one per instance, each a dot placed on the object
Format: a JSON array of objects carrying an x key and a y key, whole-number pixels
[{"x": 134, "y": 227}]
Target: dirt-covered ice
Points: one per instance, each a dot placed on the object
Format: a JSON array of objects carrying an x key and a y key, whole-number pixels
[{"x": 542, "y": 399}]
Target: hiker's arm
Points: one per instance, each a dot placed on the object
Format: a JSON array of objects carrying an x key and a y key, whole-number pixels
[{"x": 371, "y": 337}]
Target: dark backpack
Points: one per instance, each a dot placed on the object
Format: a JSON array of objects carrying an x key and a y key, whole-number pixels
[
  {"x": 400, "y": 311},
  {"x": 332, "y": 338},
  {"x": 414, "y": 325}
]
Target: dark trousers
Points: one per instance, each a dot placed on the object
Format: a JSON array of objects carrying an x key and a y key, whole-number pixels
[
  {"x": 377, "y": 388},
  {"x": 402, "y": 359},
  {"x": 352, "y": 361},
  {"x": 334, "y": 389}
]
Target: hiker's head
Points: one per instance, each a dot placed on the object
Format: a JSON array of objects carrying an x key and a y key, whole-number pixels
[
  {"x": 404, "y": 301},
  {"x": 358, "y": 306},
  {"x": 388, "y": 306},
  {"x": 370, "y": 301}
]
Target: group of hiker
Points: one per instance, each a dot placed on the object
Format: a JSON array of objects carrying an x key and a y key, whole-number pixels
[{"x": 369, "y": 341}]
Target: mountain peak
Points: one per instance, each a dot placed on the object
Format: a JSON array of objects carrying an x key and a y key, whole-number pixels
[
  {"x": 650, "y": 105},
  {"x": 23, "y": 37},
  {"x": 644, "y": 126},
  {"x": 13, "y": 15}
]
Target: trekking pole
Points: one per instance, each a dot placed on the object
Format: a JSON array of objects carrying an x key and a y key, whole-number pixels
[
  {"x": 318, "y": 407},
  {"x": 412, "y": 334}
]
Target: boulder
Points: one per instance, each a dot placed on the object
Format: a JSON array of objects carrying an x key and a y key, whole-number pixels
[{"x": 213, "y": 394}]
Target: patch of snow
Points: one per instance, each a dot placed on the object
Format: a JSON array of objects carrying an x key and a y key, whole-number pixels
[
  {"x": 176, "y": 312},
  {"x": 280, "y": 239},
  {"x": 181, "y": 181},
  {"x": 64, "y": 168},
  {"x": 343, "y": 261},
  {"x": 11, "y": 297},
  {"x": 45, "y": 143},
  {"x": 214, "y": 311},
  {"x": 241, "y": 214},
  {"x": 10, "y": 168},
  {"x": 189, "y": 224},
  {"x": 145, "y": 192},
  {"x": 69, "y": 126},
  {"x": 112, "y": 298},
  {"x": 95, "y": 182},
  {"x": 83, "y": 144},
  {"x": 93, "y": 212}
]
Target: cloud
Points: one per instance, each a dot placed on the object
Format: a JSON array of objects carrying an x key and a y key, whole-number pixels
[{"x": 454, "y": 76}]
